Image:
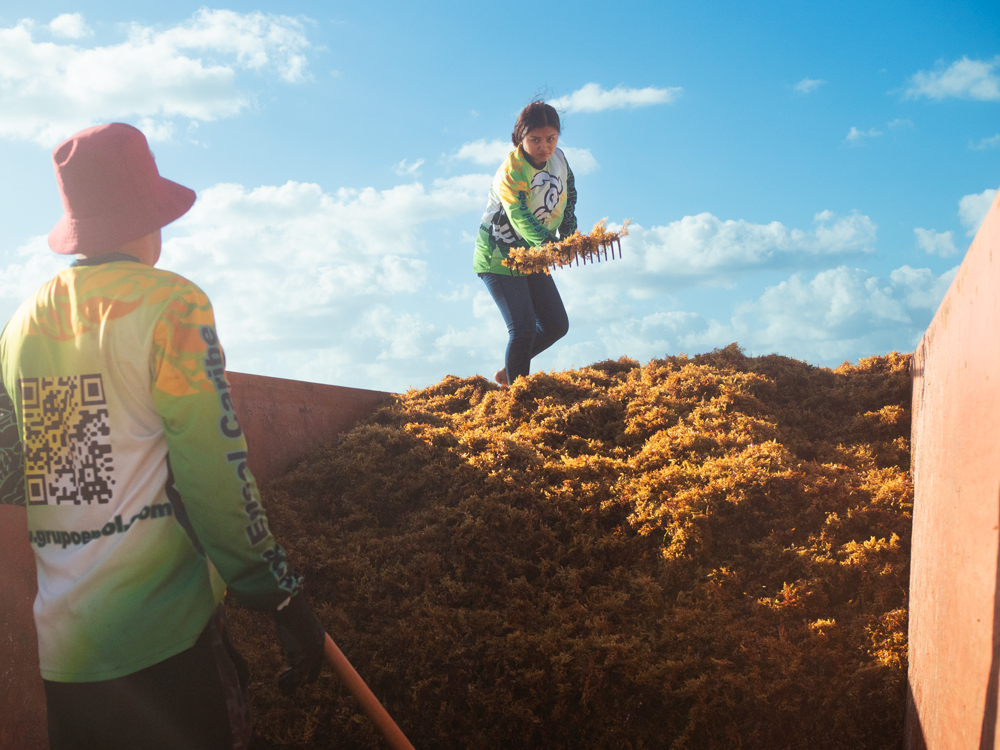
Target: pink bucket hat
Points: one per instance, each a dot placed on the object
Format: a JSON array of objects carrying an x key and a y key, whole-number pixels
[{"x": 111, "y": 191}]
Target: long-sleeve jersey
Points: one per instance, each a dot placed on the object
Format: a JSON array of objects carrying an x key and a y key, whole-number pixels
[
  {"x": 118, "y": 431},
  {"x": 525, "y": 208}
]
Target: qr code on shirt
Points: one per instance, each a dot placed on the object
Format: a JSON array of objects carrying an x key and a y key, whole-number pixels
[{"x": 67, "y": 445}]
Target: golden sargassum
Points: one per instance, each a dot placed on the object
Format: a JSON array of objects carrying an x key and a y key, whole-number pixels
[
  {"x": 708, "y": 552},
  {"x": 577, "y": 247}
]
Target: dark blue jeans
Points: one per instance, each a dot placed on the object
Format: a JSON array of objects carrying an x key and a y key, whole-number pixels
[{"x": 534, "y": 314}]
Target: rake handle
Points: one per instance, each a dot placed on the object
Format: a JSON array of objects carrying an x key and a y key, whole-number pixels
[{"x": 369, "y": 703}]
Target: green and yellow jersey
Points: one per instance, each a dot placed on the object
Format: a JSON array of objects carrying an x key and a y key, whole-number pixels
[
  {"x": 527, "y": 205},
  {"x": 119, "y": 434}
]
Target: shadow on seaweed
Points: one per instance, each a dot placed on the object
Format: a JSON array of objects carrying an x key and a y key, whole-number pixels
[{"x": 469, "y": 550}]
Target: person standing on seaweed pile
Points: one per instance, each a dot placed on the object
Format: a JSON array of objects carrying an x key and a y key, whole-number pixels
[
  {"x": 532, "y": 197},
  {"x": 117, "y": 430}
]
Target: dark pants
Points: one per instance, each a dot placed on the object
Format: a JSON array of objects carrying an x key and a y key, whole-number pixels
[
  {"x": 192, "y": 701},
  {"x": 534, "y": 314}
]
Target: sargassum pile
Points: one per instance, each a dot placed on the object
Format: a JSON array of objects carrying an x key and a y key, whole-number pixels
[{"x": 695, "y": 553}]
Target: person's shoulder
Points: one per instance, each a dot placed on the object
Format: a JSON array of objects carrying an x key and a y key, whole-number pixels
[
  {"x": 172, "y": 278},
  {"x": 155, "y": 280},
  {"x": 145, "y": 286},
  {"x": 514, "y": 175},
  {"x": 183, "y": 289},
  {"x": 514, "y": 161},
  {"x": 51, "y": 289}
]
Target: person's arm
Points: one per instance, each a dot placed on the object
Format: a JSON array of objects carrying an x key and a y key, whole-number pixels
[
  {"x": 11, "y": 453},
  {"x": 218, "y": 495},
  {"x": 568, "y": 225},
  {"x": 208, "y": 455}
]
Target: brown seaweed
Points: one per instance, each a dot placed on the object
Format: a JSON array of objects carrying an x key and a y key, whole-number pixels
[
  {"x": 707, "y": 552},
  {"x": 576, "y": 247}
]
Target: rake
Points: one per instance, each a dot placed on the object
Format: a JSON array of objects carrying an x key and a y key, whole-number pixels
[
  {"x": 604, "y": 247},
  {"x": 369, "y": 703},
  {"x": 599, "y": 245}
]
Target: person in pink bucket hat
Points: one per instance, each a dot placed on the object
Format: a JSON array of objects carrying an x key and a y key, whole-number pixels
[{"x": 118, "y": 432}]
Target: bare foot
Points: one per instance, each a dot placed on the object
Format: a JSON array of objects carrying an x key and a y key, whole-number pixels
[{"x": 501, "y": 377}]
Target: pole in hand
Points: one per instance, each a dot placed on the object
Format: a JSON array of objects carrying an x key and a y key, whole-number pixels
[{"x": 369, "y": 703}]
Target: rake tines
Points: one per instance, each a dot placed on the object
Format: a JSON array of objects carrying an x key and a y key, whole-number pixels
[
  {"x": 595, "y": 255},
  {"x": 575, "y": 248}
]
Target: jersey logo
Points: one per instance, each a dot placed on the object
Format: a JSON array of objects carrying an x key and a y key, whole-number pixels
[
  {"x": 552, "y": 189},
  {"x": 67, "y": 446},
  {"x": 501, "y": 230}
]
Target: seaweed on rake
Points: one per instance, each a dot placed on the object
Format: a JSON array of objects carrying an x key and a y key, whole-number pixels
[{"x": 577, "y": 247}]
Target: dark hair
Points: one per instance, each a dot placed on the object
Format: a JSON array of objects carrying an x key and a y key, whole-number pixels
[{"x": 536, "y": 115}]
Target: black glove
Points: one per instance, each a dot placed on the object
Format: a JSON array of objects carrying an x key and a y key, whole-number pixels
[{"x": 303, "y": 638}]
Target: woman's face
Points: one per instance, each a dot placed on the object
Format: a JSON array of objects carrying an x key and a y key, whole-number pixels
[{"x": 540, "y": 143}]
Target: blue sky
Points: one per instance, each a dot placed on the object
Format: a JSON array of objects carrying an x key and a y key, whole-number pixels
[{"x": 801, "y": 179}]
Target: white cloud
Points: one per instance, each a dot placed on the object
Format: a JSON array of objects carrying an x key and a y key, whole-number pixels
[
  {"x": 834, "y": 312},
  {"x": 256, "y": 40},
  {"x": 463, "y": 291},
  {"x": 156, "y": 131},
  {"x": 842, "y": 313},
  {"x": 346, "y": 286},
  {"x": 856, "y": 136},
  {"x": 936, "y": 243},
  {"x": 808, "y": 85},
  {"x": 991, "y": 142},
  {"x": 489, "y": 153},
  {"x": 492, "y": 153},
  {"x": 486, "y": 334},
  {"x": 316, "y": 227},
  {"x": 594, "y": 294},
  {"x": 50, "y": 90},
  {"x": 581, "y": 161},
  {"x": 838, "y": 314},
  {"x": 963, "y": 79},
  {"x": 709, "y": 249},
  {"x": 972, "y": 209},
  {"x": 651, "y": 335},
  {"x": 399, "y": 333},
  {"x": 901, "y": 122},
  {"x": 592, "y": 98},
  {"x": 70, "y": 26},
  {"x": 403, "y": 168},
  {"x": 295, "y": 270},
  {"x": 24, "y": 270},
  {"x": 483, "y": 307},
  {"x": 919, "y": 288}
]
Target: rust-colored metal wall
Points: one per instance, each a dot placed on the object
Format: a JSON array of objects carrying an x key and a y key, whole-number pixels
[
  {"x": 954, "y": 635},
  {"x": 22, "y": 699},
  {"x": 282, "y": 420}
]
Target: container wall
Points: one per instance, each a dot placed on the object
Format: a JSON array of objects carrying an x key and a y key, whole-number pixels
[
  {"x": 954, "y": 628},
  {"x": 282, "y": 420},
  {"x": 285, "y": 419},
  {"x": 22, "y": 700}
]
